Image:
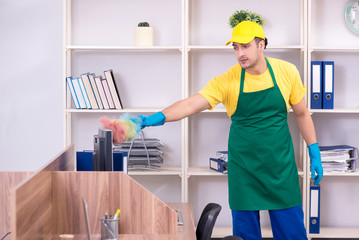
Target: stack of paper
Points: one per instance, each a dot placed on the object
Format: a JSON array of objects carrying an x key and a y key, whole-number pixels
[
  {"x": 142, "y": 151},
  {"x": 340, "y": 158}
]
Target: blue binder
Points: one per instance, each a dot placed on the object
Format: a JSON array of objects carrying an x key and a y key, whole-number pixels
[
  {"x": 316, "y": 95},
  {"x": 314, "y": 209},
  {"x": 84, "y": 161},
  {"x": 218, "y": 165},
  {"x": 328, "y": 85}
]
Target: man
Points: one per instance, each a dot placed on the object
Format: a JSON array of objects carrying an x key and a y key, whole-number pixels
[{"x": 262, "y": 173}]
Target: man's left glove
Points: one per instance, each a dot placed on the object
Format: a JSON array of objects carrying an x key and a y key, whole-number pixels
[
  {"x": 316, "y": 163},
  {"x": 156, "y": 119}
]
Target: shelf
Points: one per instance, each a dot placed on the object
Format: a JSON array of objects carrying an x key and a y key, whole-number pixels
[
  {"x": 341, "y": 174},
  {"x": 128, "y": 48},
  {"x": 163, "y": 171},
  {"x": 334, "y": 232},
  {"x": 337, "y": 110},
  {"x": 126, "y": 110},
  {"x": 220, "y": 232},
  {"x": 334, "y": 49},
  {"x": 203, "y": 171},
  {"x": 229, "y": 47},
  {"x": 206, "y": 171}
]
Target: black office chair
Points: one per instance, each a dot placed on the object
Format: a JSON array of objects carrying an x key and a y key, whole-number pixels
[
  {"x": 232, "y": 238},
  {"x": 207, "y": 220}
]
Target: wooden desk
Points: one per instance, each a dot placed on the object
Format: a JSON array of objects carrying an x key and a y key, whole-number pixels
[
  {"x": 49, "y": 203},
  {"x": 185, "y": 232}
]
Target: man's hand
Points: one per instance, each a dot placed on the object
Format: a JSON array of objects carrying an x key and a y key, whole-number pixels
[
  {"x": 316, "y": 163},
  {"x": 156, "y": 119}
]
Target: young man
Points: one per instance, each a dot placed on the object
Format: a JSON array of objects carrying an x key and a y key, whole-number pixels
[{"x": 262, "y": 173}]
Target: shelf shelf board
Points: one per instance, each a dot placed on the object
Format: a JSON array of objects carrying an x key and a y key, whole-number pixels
[
  {"x": 341, "y": 174},
  {"x": 334, "y": 49},
  {"x": 335, "y": 232},
  {"x": 128, "y": 48},
  {"x": 126, "y": 110},
  {"x": 163, "y": 171},
  {"x": 206, "y": 171},
  {"x": 336, "y": 110},
  {"x": 203, "y": 171},
  {"x": 224, "y": 47},
  {"x": 220, "y": 232}
]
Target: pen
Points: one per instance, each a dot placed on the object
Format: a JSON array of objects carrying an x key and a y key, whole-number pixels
[{"x": 116, "y": 214}]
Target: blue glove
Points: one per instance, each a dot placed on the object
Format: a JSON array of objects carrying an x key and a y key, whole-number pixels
[
  {"x": 316, "y": 163},
  {"x": 156, "y": 119}
]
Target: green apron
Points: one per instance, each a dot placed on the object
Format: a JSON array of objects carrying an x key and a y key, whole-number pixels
[{"x": 262, "y": 173}]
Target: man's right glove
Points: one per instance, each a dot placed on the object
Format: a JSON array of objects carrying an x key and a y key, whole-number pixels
[
  {"x": 156, "y": 119},
  {"x": 316, "y": 163}
]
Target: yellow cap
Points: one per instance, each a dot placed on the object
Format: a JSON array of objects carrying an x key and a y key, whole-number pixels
[{"x": 245, "y": 32}]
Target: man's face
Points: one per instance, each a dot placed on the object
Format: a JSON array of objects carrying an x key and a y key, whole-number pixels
[{"x": 248, "y": 54}]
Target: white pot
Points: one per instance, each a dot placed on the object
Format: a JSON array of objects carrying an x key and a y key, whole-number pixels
[{"x": 143, "y": 36}]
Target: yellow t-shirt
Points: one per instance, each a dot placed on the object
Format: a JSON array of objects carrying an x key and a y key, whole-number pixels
[{"x": 225, "y": 88}]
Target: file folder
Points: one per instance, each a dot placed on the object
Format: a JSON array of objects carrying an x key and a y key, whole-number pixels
[
  {"x": 314, "y": 209},
  {"x": 316, "y": 95},
  {"x": 328, "y": 85},
  {"x": 218, "y": 165},
  {"x": 84, "y": 161}
]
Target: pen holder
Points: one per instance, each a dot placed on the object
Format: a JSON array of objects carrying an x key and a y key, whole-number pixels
[{"x": 109, "y": 228}]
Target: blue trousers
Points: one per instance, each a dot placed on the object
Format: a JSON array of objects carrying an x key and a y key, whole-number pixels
[{"x": 286, "y": 224}]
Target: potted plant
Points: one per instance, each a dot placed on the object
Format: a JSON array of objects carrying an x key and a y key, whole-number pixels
[
  {"x": 143, "y": 34},
  {"x": 243, "y": 15}
]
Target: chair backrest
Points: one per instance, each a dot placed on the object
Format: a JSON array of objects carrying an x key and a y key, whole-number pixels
[
  {"x": 207, "y": 220},
  {"x": 232, "y": 238}
]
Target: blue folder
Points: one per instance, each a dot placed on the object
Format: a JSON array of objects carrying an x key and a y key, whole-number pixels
[
  {"x": 316, "y": 94},
  {"x": 314, "y": 209},
  {"x": 84, "y": 161},
  {"x": 328, "y": 85}
]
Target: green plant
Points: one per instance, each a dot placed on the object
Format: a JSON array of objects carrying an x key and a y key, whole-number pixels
[
  {"x": 143, "y": 24},
  {"x": 243, "y": 15}
]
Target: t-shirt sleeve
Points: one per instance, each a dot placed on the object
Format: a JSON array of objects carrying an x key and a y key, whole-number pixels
[
  {"x": 298, "y": 89},
  {"x": 213, "y": 92}
]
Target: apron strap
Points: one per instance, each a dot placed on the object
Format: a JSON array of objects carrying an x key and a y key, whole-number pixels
[{"x": 243, "y": 73}]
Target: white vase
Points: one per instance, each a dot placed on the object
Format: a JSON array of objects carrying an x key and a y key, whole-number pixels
[{"x": 143, "y": 36}]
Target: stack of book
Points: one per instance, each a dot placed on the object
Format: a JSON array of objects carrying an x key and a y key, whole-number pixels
[
  {"x": 145, "y": 152},
  {"x": 340, "y": 158},
  {"x": 219, "y": 163},
  {"x": 94, "y": 92}
]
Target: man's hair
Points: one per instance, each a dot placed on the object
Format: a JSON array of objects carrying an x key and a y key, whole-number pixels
[{"x": 257, "y": 39}]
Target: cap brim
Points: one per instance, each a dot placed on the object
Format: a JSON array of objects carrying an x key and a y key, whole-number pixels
[{"x": 242, "y": 40}]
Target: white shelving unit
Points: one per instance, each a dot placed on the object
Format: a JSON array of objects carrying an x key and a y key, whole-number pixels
[
  {"x": 98, "y": 36},
  {"x": 339, "y": 125}
]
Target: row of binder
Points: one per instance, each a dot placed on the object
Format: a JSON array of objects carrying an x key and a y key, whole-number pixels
[
  {"x": 322, "y": 85},
  {"x": 94, "y": 92}
]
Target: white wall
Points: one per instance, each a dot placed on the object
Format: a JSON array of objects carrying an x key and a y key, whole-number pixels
[{"x": 30, "y": 83}]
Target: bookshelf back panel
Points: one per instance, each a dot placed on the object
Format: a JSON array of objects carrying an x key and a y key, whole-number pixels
[
  {"x": 113, "y": 22},
  {"x": 339, "y": 202},
  {"x": 209, "y": 26},
  {"x": 328, "y": 26},
  {"x": 336, "y": 129}
]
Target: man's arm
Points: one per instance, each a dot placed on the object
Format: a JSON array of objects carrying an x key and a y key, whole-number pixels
[
  {"x": 186, "y": 107},
  {"x": 304, "y": 122},
  {"x": 306, "y": 127}
]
